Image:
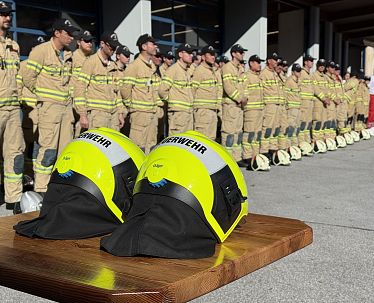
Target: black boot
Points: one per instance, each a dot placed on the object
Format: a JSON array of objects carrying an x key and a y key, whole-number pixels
[
  {"x": 9, "y": 206},
  {"x": 17, "y": 208},
  {"x": 242, "y": 163}
]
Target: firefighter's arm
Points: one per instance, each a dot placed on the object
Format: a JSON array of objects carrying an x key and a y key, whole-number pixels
[
  {"x": 129, "y": 80},
  {"x": 81, "y": 85},
  {"x": 229, "y": 81},
  {"x": 166, "y": 83},
  {"x": 33, "y": 69}
]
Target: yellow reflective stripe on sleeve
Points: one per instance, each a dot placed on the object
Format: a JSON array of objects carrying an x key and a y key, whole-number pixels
[
  {"x": 9, "y": 101},
  {"x": 33, "y": 65},
  {"x": 104, "y": 104}
]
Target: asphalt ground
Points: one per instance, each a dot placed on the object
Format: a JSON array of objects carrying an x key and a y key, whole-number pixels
[{"x": 333, "y": 193}]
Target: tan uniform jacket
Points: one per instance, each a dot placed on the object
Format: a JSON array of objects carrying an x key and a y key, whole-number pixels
[
  {"x": 163, "y": 69},
  {"x": 282, "y": 84},
  {"x": 254, "y": 91},
  {"x": 292, "y": 92},
  {"x": 95, "y": 87},
  {"x": 306, "y": 85},
  {"x": 321, "y": 88},
  {"x": 137, "y": 90},
  {"x": 271, "y": 88},
  {"x": 233, "y": 86},
  {"x": 48, "y": 72},
  {"x": 9, "y": 64},
  {"x": 331, "y": 82},
  {"x": 339, "y": 89},
  {"x": 25, "y": 96},
  {"x": 206, "y": 87},
  {"x": 350, "y": 88},
  {"x": 176, "y": 88},
  {"x": 78, "y": 59}
]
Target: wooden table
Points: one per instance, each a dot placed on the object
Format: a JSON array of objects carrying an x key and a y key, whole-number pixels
[{"x": 77, "y": 271}]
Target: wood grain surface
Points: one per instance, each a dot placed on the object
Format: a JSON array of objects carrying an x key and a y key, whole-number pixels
[{"x": 78, "y": 271}]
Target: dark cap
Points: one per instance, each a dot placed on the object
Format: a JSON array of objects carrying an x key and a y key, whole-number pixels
[
  {"x": 255, "y": 58},
  {"x": 223, "y": 59},
  {"x": 169, "y": 55},
  {"x": 85, "y": 35},
  {"x": 158, "y": 53},
  {"x": 208, "y": 49},
  {"x": 111, "y": 38},
  {"x": 144, "y": 39},
  {"x": 321, "y": 62},
  {"x": 331, "y": 64},
  {"x": 124, "y": 50},
  {"x": 296, "y": 67},
  {"x": 38, "y": 40},
  {"x": 273, "y": 56},
  {"x": 284, "y": 63},
  {"x": 185, "y": 48},
  {"x": 237, "y": 48},
  {"x": 5, "y": 8},
  {"x": 243, "y": 62},
  {"x": 367, "y": 78},
  {"x": 337, "y": 66},
  {"x": 64, "y": 24},
  {"x": 308, "y": 58}
]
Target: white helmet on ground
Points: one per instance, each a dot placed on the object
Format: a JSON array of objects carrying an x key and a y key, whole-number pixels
[
  {"x": 319, "y": 147},
  {"x": 306, "y": 149},
  {"x": 295, "y": 153},
  {"x": 30, "y": 201},
  {"x": 365, "y": 134},
  {"x": 348, "y": 138},
  {"x": 340, "y": 141},
  {"x": 260, "y": 162},
  {"x": 281, "y": 157},
  {"x": 355, "y": 136},
  {"x": 331, "y": 144}
]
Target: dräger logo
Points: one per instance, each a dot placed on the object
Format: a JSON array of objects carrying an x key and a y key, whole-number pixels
[
  {"x": 199, "y": 147},
  {"x": 97, "y": 138}
]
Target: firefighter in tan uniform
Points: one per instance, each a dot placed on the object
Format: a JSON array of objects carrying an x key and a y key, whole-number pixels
[
  {"x": 321, "y": 101},
  {"x": 306, "y": 109},
  {"x": 85, "y": 47},
  {"x": 351, "y": 88},
  {"x": 293, "y": 103},
  {"x": 28, "y": 101},
  {"x": 176, "y": 90},
  {"x": 207, "y": 92},
  {"x": 168, "y": 60},
  {"x": 253, "y": 116},
  {"x": 281, "y": 70},
  {"x": 330, "y": 131},
  {"x": 366, "y": 100},
  {"x": 47, "y": 74},
  {"x": 138, "y": 93},
  {"x": 10, "y": 114},
  {"x": 233, "y": 102},
  {"x": 359, "y": 106},
  {"x": 95, "y": 94},
  {"x": 341, "y": 108}
]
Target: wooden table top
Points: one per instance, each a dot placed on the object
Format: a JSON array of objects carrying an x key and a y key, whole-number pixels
[{"x": 77, "y": 271}]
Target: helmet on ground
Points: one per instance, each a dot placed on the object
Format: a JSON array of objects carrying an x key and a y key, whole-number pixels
[
  {"x": 355, "y": 136},
  {"x": 30, "y": 201},
  {"x": 295, "y": 153},
  {"x": 260, "y": 162},
  {"x": 365, "y": 134},
  {"x": 281, "y": 157},
  {"x": 348, "y": 138},
  {"x": 331, "y": 144},
  {"x": 189, "y": 195},
  {"x": 90, "y": 189},
  {"x": 319, "y": 147},
  {"x": 306, "y": 149},
  {"x": 340, "y": 141}
]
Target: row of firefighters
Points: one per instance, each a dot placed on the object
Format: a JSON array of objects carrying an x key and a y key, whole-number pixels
[{"x": 261, "y": 113}]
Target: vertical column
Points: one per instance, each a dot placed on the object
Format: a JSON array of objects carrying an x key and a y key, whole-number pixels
[
  {"x": 291, "y": 36},
  {"x": 245, "y": 22},
  {"x": 369, "y": 61},
  {"x": 345, "y": 56},
  {"x": 328, "y": 40},
  {"x": 129, "y": 19},
  {"x": 314, "y": 31},
  {"x": 338, "y": 48}
]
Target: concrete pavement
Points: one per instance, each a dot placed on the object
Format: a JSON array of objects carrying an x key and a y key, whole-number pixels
[{"x": 333, "y": 193}]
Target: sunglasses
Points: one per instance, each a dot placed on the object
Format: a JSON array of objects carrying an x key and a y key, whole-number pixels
[{"x": 87, "y": 41}]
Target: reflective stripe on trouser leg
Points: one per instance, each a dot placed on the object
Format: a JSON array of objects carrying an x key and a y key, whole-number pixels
[
  {"x": 13, "y": 148},
  {"x": 232, "y": 126},
  {"x": 143, "y": 129},
  {"x": 205, "y": 122},
  {"x": 252, "y": 127},
  {"x": 293, "y": 115},
  {"x": 269, "y": 125}
]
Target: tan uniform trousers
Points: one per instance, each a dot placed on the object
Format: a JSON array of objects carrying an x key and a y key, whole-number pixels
[
  {"x": 205, "y": 122},
  {"x": 283, "y": 122},
  {"x": 293, "y": 115},
  {"x": 341, "y": 117},
  {"x": 359, "y": 115},
  {"x": 98, "y": 118},
  {"x": 143, "y": 130},
  {"x": 330, "y": 131},
  {"x": 55, "y": 127},
  {"x": 319, "y": 121},
  {"x": 29, "y": 127},
  {"x": 270, "y": 128},
  {"x": 13, "y": 147},
  {"x": 179, "y": 122},
  {"x": 306, "y": 117},
  {"x": 232, "y": 129},
  {"x": 252, "y": 132}
]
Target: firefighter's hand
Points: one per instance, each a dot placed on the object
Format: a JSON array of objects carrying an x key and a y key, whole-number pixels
[
  {"x": 83, "y": 120},
  {"x": 244, "y": 102},
  {"x": 327, "y": 102},
  {"x": 121, "y": 120}
]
